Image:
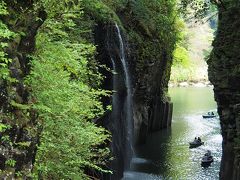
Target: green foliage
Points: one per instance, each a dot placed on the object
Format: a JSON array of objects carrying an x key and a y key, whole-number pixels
[
  {"x": 5, "y": 34},
  {"x": 100, "y": 11},
  {"x": 180, "y": 74},
  {"x": 19, "y": 106},
  {"x": 199, "y": 10},
  {"x": 6, "y": 139},
  {"x": 157, "y": 18},
  {"x": 3, "y": 9},
  {"x": 18, "y": 174},
  {"x": 189, "y": 53},
  {"x": 10, "y": 162},
  {"x": 181, "y": 57},
  {"x": 58, "y": 9},
  {"x": 63, "y": 82},
  {"x": 194, "y": 9},
  {"x": 151, "y": 28},
  {"x": 3, "y": 127},
  {"x": 181, "y": 53},
  {"x": 116, "y": 5},
  {"x": 23, "y": 144},
  {"x": 59, "y": 83}
]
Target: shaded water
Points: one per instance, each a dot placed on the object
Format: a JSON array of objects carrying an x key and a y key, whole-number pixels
[{"x": 166, "y": 155}]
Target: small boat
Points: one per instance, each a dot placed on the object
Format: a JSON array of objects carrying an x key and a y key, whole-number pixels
[
  {"x": 207, "y": 159},
  {"x": 209, "y": 115},
  {"x": 195, "y": 144}
]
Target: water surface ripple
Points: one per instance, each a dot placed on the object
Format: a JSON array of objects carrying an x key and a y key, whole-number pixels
[{"x": 166, "y": 154}]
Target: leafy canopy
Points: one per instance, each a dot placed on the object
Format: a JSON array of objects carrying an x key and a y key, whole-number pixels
[{"x": 60, "y": 92}]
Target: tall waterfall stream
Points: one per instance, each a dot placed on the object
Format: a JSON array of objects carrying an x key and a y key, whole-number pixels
[{"x": 128, "y": 101}]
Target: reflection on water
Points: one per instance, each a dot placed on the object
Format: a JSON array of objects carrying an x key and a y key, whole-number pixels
[{"x": 166, "y": 155}]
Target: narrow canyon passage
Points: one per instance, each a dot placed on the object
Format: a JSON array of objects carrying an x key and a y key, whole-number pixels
[
  {"x": 166, "y": 154},
  {"x": 87, "y": 89}
]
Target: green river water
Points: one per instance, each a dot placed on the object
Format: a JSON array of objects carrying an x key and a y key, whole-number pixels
[{"x": 166, "y": 154}]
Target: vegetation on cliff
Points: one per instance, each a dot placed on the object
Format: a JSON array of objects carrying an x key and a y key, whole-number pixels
[
  {"x": 66, "y": 101},
  {"x": 197, "y": 30},
  {"x": 63, "y": 97},
  {"x": 190, "y": 55},
  {"x": 50, "y": 85}
]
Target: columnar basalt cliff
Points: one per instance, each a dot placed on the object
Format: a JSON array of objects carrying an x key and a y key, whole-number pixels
[
  {"x": 149, "y": 74},
  {"x": 112, "y": 53},
  {"x": 224, "y": 73},
  {"x": 151, "y": 110}
]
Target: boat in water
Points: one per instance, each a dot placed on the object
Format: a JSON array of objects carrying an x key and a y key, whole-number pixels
[
  {"x": 209, "y": 115},
  {"x": 196, "y": 143},
  {"x": 207, "y": 159}
]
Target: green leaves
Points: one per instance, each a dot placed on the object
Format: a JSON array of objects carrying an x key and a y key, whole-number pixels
[
  {"x": 10, "y": 162},
  {"x": 3, "y": 127},
  {"x": 3, "y": 9},
  {"x": 101, "y": 11},
  {"x": 181, "y": 57},
  {"x": 20, "y": 106},
  {"x": 65, "y": 101},
  {"x": 5, "y": 34}
]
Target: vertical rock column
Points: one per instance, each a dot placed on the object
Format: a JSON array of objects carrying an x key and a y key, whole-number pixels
[{"x": 224, "y": 73}]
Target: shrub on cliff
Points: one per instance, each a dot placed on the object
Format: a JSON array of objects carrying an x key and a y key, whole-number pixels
[
  {"x": 66, "y": 103},
  {"x": 62, "y": 92}
]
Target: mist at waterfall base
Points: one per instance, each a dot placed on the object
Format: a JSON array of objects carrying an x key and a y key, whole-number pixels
[{"x": 166, "y": 154}]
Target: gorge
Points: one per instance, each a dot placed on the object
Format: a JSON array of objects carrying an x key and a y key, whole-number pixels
[{"x": 50, "y": 56}]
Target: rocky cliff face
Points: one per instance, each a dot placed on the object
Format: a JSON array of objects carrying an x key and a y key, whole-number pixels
[
  {"x": 151, "y": 108},
  {"x": 224, "y": 73},
  {"x": 18, "y": 142},
  {"x": 148, "y": 60},
  {"x": 117, "y": 121}
]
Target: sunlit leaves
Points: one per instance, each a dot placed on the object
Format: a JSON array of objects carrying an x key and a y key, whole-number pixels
[
  {"x": 5, "y": 34},
  {"x": 181, "y": 56},
  {"x": 3, "y": 9},
  {"x": 196, "y": 10},
  {"x": 62, "y": 95}
]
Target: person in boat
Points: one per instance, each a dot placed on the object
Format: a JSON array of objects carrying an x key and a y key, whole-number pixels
[
  {"x": 195, "y": 140},
  {"x": 199, "y": 139},
  {"x": 208, "y": 154},
  {"x": 208, "y": 113},
  {"x": 212, "y": 114}
]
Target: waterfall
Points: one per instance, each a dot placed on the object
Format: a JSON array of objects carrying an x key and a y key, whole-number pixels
[
  {"x": 115, "y": 98},
  {"x": 128, "y": 101},
  {"x": 121, "y": 115}
]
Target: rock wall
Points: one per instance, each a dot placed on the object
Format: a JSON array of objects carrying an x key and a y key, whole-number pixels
[
  {"x": 18, "y": 142},
  {"x": 152, "y": 109},
  {"x": 148, "y": 56},
  {"x": 107, "y": 41},
  {"x": 151, "y": 59},
  {"x": 224, "y": 73}
]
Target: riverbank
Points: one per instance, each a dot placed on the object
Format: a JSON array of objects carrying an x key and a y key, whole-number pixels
[{"x": 200, "y": 83}]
